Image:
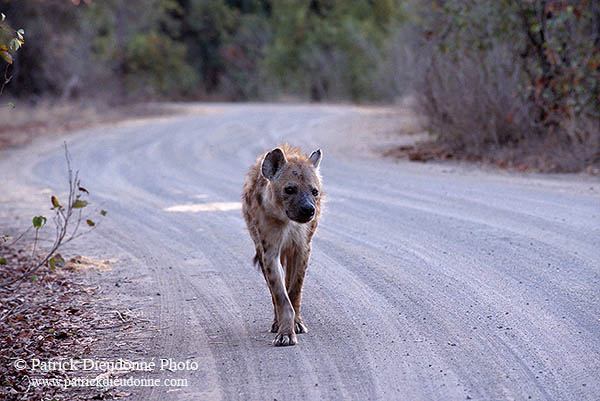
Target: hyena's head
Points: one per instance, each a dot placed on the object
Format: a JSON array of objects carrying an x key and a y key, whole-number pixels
[{"x": 294, "y": 182}]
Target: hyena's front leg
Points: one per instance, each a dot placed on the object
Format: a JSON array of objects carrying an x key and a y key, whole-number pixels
[
  {"x": 261, "y": 262},
  {"x": 274, "y": 325},
  {"x": 295, "y": 280},
  {"x": 283, "y": 307}
]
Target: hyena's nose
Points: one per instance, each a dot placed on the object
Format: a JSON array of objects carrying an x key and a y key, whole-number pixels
[{"x": 308, "y": 210}]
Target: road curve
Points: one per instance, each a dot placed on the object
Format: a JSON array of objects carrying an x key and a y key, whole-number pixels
[{"x": 426, "y": 282}]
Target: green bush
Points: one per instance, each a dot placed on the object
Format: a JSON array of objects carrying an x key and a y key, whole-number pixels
[
  {"x": 239, "y": 49},
  {"x": 330, "y": 49},
  {"x": 157, "y": 64},
  {"x": 244, "y": 76}
]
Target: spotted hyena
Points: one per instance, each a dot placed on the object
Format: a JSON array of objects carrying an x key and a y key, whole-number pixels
[{"x": 281, "y": 206}]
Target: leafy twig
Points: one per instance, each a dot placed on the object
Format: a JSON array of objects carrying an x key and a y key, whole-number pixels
[{"x": 63, "y": 219}]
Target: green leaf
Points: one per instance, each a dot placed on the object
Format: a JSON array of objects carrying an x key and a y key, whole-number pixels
[
  {"x": 57, "y": 260},
  {"x": 39, "y": 221},
  {"x": 15, "y": 44},
  {"x": 2, "y": 261},
  {"x": 21, "y": 31},
  {"x": 11, "y": 105},
  {"x": 90, "y": 223},
  {"x": 6, "y": 56},
  {"x": 79, "y": 204},
  {"x": 34, "y": 278},
  {"x": 103, "y": 212}
]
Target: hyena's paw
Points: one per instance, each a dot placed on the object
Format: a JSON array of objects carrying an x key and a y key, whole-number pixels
[
  {"x": 300, "y": 327},
  {"x": 285, "y": 338}
]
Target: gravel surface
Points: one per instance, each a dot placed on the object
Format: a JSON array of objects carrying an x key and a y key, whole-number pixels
[{"x": 427, "y": 281}]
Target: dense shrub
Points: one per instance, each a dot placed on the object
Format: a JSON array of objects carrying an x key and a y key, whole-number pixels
[
  {"x": 156, "y": 64},
  {"x": 122, "y": 49},
  {"x": 244, "y": 75},
  {"x": 511, "y": 78},
  {"x": 238, "y": 49},
  {"x": 331, "y": 49},
  {"x": 506, "y": 79}
]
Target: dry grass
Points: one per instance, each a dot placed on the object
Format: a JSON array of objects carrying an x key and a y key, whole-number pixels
[
  {"x": 49, "y": 118},
  {"x": 474, "y": 107}
]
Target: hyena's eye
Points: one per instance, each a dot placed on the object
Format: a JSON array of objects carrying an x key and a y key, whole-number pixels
[
  {"x": 290, "y": 190},
  {"x": 315, "y": 192}
]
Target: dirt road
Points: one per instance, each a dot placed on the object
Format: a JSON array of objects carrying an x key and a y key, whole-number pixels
[{"x": 426, "y": 281}]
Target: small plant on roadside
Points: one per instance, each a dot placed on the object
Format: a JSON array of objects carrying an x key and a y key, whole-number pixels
[{"x": 68, "y": 217}]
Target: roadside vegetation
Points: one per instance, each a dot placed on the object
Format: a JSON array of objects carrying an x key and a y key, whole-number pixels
[
  {"x": 11, "y": 41},
  {"x": 55, "y": 317},
  {"x": 511, "y": 82},
  {"x": 47, "y": 310},
  {"x": 190, "y": 49},
  {"x": 69, "y": 221},
  {"x": 515, "y": 82}
]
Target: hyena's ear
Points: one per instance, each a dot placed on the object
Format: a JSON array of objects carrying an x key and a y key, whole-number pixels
[
  {"x": 315, "y": 157},
  {"x": 272, "y": 163}
]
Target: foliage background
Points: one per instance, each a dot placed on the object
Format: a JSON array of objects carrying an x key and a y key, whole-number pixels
[
  {"x": 506, "y": 79},
  {"x": 232, "y": 49}
]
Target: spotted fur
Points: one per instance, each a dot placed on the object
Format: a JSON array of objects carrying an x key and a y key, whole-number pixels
[{"x": 282, "y": 227}]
